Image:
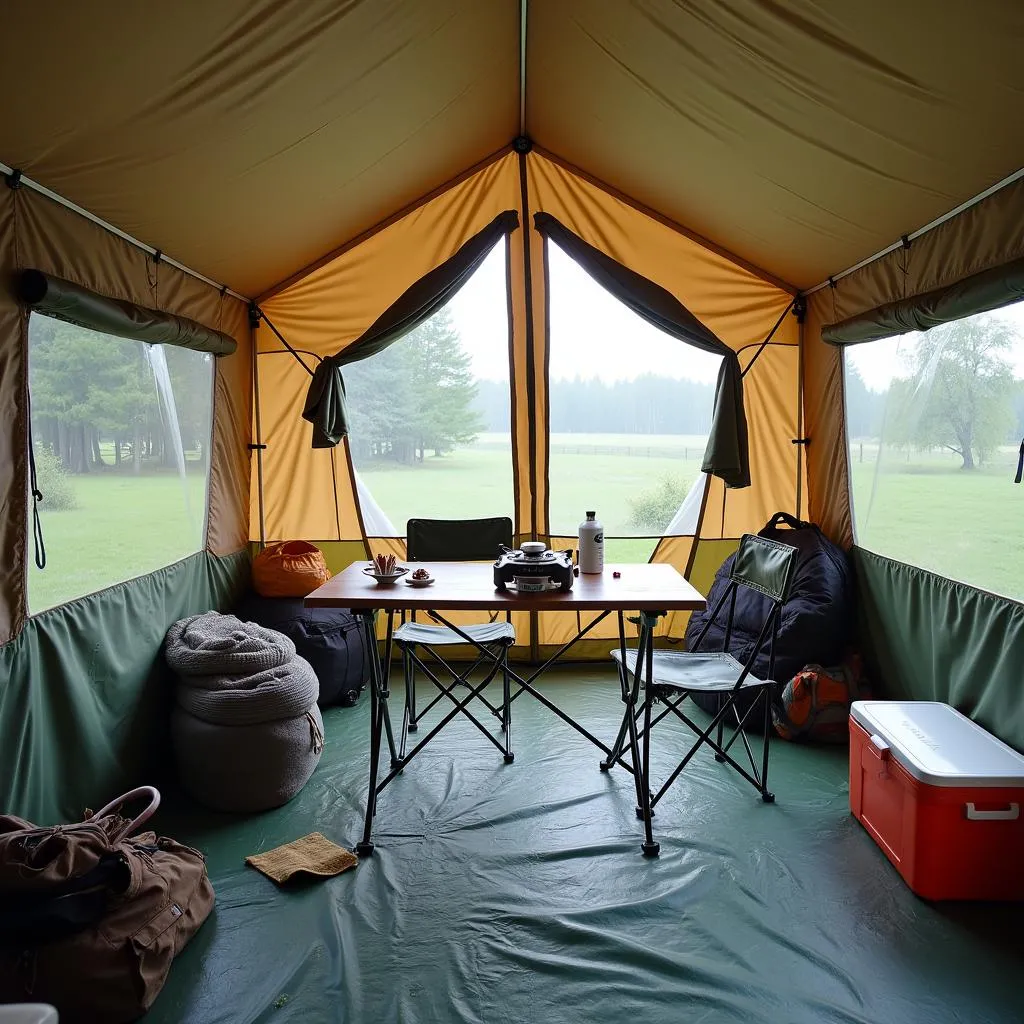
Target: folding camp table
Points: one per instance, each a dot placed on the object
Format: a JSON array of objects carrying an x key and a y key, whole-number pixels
[{"x": 651, "y": 590}]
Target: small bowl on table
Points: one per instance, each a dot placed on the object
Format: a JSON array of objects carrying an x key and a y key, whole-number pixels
[
  {"x": 385, "y": 579},
  {"x": 420, "y": 578}
]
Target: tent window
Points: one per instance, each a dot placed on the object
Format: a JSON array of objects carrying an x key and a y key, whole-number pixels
[
  {"x": 121, "y": 433},
  {"x": 630, "y": 413},
  {"x": 935, "y": 421},
  {"x": 430, "y": 424}
]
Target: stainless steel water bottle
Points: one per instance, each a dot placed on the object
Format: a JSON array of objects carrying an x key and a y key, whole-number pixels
[{"x": 591, "y": 545}]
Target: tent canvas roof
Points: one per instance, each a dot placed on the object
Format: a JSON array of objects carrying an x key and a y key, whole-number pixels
[{"x": 247, "y": 139}]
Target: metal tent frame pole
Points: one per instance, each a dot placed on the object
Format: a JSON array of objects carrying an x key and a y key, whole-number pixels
[
  {"x": 930, "y": 226},
  {"x": 16, "y": 179}
]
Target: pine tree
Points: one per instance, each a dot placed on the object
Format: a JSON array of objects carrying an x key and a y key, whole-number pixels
[{"x": 416, "y": 396}]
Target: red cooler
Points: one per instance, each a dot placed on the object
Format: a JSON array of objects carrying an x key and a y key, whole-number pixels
[{"x": 942, "y": 798}]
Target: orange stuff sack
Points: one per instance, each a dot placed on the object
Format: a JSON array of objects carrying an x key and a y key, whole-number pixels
[
  {"x": 291, "y": 568},
  {"x": 815, "y": 703}
]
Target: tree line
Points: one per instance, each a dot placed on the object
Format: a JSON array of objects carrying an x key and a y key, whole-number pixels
[
  {"x": 90, "y": 392},
  {"x": 648, "y": 404}
]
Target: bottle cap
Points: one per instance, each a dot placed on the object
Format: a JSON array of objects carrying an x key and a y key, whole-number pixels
[{"x": 591, "y": 515}]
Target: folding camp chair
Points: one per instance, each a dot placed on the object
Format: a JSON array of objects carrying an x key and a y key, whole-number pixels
[
  {"x": 457, "y": 540},
  {"x": 766, "y": 567}
]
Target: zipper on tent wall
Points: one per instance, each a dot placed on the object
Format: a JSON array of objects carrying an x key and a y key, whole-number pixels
[{"x": 523, "y": 146}]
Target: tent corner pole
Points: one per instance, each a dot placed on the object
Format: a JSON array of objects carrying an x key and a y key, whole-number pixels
[
  {"x": 258, "y": 445},
  {"x": 800, "y": 443}
]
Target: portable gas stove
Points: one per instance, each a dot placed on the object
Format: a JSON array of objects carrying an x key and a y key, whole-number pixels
[{"x": 533, "y": 569}]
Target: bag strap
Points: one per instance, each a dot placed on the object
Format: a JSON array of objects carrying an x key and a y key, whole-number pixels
[
  {"x": 149, "y": 792},
  {"x": 791, "y": 521}
]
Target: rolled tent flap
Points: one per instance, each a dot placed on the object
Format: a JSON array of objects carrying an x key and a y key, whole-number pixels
[
  {"x": 325, "y": 401},
  {"x": 727, "y": 454},
  {"x": 77, "y": 305},
  {"x": 989, "y": 289}
]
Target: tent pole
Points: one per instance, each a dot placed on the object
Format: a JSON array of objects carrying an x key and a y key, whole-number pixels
[
  {"x": 259, "y": 446},
  {"x": 22, "y": 180},
  {"x": 522, "y": 66},
  {"x": 801, "y": 449},
  {"x": 930, "y": 226}
]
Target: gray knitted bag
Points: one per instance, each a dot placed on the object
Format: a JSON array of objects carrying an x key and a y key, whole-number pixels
[
  {"x": 212, "y": 644},
  {"x": 281, "y": 692}
]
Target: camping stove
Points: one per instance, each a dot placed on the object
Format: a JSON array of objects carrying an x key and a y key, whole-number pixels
[{"x": 533, "y": 569}]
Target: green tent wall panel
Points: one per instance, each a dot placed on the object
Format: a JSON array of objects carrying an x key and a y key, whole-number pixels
[
  {"x": 83, "y": 692},
  {"x": 929, "y": 638}
]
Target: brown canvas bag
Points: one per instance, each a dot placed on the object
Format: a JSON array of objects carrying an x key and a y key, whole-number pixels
[{"x": 91, "y": 915}]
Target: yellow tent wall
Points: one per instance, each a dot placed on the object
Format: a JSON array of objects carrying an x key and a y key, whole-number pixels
[{"x": 310, "y": 493}]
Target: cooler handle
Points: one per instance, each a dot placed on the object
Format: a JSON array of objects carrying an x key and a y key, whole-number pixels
[
  {"x": 881, "y": 747},
  {"x": 1012, "y": 813}
]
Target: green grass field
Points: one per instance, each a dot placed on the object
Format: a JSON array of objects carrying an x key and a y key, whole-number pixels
[
  {"x": 924, "y": 509},
  {"x": 478, "y": 482},
  {"x": 124, "y": 526}
]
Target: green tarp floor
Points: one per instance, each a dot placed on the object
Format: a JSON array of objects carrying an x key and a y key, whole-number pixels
[{"x": 518, "y": 893}]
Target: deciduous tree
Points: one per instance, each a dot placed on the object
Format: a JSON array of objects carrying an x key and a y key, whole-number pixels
[{"x": 960, "y": 392}]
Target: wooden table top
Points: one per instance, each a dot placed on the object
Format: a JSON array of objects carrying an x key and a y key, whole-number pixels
[{"x": 469, "y": 586}]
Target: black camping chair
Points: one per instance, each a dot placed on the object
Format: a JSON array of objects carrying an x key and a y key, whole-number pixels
[
  {"x": 457, "y": 540},
  {"x": 766, "y": 567}
]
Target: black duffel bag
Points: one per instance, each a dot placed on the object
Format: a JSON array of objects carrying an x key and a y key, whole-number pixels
[
  {"x": 330, "y": 639},
  {"x": 815, "y": 625}
]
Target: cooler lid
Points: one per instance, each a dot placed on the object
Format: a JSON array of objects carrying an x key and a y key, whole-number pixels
[{"x": 938, "y": 745}]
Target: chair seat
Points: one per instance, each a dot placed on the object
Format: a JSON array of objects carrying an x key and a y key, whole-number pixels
[
  {"x": 441, "y": 636},
  {"x": 709, "y": 672}
]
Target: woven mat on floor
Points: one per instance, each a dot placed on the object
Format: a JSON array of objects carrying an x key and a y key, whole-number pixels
[{"x": 311, "y": 855}]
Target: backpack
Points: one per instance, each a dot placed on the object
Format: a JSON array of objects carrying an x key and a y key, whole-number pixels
[
  {"x": 814, "y": 625},
  {"x": 330, "y": 639},
  {"x": 91, "y": 919},
  {"x": 815, "y": 703}
]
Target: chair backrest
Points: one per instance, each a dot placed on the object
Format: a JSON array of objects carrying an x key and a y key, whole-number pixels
[
  {"x": 457, "y": 540},
  {"x": 764, "y": 565},
  {"x": 767, "y": 567}
]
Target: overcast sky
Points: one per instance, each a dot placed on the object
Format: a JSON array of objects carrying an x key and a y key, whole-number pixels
[
  {"x": 592, "y": 333},
  {"x": 881, "y": 361}
]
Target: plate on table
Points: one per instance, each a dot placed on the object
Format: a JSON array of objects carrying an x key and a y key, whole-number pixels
[{"x": 419, "y": 581}]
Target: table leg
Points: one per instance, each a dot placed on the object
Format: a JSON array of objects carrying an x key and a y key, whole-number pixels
[
  {"x": 648, "y": 620},
  {"x": 624, "y": 686},
  {"x": 385, "y": 691},
  {"x": 506, "y": 706},
  {"x": 378, "y": 713}
]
